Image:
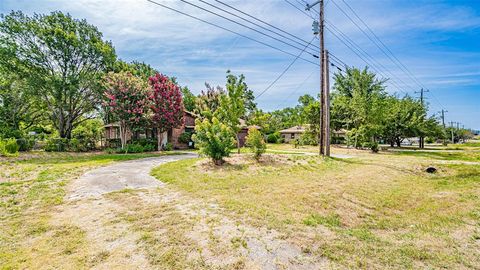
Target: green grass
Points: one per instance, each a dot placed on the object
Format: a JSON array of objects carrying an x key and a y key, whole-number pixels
[
  {"x": 30, "y": 186},
  {"x": 376, "y": 211}
]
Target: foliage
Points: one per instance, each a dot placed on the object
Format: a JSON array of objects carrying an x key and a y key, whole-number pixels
[
  {"x": 9, "y": 147},
  {"x": 185, "y": 137},
  {"x": 126, "y": 99},
  {"x": 62, "y": 60},
  {"x": 358, "y": 104},
  {"x": 309, "y": 138},
  {"x": 255, "y": 141},
  {"x": 166, "y": 105},
  {"x": 273, "y": 137},
  {"x": 19, "y": 110},
  {"x": 89, "y": 133},
  {"x": 189, "y": 99},
  {"x": 207, "y": 103},
  {"x": 168, "y": 147},
  {"x": 232, "y": 105},
  {"x": 25, "y": 144},
  {"x": 214, "y": 139}
]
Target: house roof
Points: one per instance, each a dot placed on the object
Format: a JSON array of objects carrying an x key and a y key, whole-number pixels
[{"x": 295, "y": 129}]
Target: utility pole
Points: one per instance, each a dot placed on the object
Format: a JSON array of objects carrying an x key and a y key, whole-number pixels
[
  {"x": 443, "y": 123},
  {"x": 324, "y": 140},
  {"x": 326, "y": 95},
  {"x": 421, "y": 141},
  {"x": 451, "y": 128}
]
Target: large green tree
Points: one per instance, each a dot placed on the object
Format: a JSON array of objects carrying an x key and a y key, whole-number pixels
[
  {"x": 62, "y": 59},
  {"x": 357, "y": 104}
]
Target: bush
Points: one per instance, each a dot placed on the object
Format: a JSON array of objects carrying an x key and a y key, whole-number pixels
[
  {"x": 57, "y": 145},
  {"x": 10, "y": 147},
  {"x": 273, "y": 137},
  {"x": 256, "y": 143},
  {"x": 133, "y": 148},
  {"x": 168, "y": 147},
  {"x": 25, "y": 144},
  {"x": 295, "y": 142},
  {"x": 308, "y": 138},
  {"x": 214, "y": 139},
  {"x": 185, "y": 137}
]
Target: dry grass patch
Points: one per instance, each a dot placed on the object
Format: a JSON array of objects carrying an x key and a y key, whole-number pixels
[{"x": 374, "y": 211}]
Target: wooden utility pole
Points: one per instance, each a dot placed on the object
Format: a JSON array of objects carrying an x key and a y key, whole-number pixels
[
  {"x": 422, "y": 139},
  {"x": 324, "y": 136},
  {"x": 326, "y": 97},
  {"x": 443, "y": 123}
]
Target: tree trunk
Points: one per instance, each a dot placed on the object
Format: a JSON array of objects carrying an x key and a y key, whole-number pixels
[
  {"x": 123, "y": 134},
  {"x": 392, "y": 143},
  {"x": 159, "y": 139},
  {"x": 399, "y": 142},
  {"x": 238, "y": 143}
]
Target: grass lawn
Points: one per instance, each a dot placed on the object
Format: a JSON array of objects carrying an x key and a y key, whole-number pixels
[
  {"x": 30, "y": 186},
  {"x": 373, "y": 211}
]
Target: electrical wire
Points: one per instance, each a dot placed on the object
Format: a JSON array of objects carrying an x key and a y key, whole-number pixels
[
  {"x": 283, "y": 72},
  {"x": 231, "y": 31}
]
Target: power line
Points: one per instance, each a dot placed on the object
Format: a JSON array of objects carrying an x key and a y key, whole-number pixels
[
  {"x": 284, "y": 71},
  {"x": 395, "y": 59},
  {"x": 231, "y": 31},
  {"x": 256, "y": 24},
  {"x": 374, "y": 64},
  {"x": 241, "y": 24},
  {"x": 266, "y": 23},
  {"x": 356, "y": 49},
  {"x": 296, "y": 89}
]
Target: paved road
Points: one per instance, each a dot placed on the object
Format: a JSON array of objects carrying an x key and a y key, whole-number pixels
[{"x": 134, "y": 174}]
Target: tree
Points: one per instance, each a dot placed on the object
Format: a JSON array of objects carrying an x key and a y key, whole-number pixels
[
  {"x": 61, "y": 58},
  {"x": 256, "y": 142},
  {"x": 18, "y": 109},
  {"x": 208, "y": 101},
  {"x": 403, "y": 119},
  {"x": 232, "y": 105},
  {"x": 214, "y": 139},
  {"x": 358, "y": 104},
  {"x": 166, "y": 105},
  {"x": 126, "y": 100},
  {"x": 189, "y": 99}
]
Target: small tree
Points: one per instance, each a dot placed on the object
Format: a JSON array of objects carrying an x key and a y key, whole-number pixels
[
  {"x": 232, "y": 105},
  {"x": 166, "y": 104},
  {"x": 256, "y": 142},
  {"x": 214, "y": 139},
  {"x": 126, "y": 101}
]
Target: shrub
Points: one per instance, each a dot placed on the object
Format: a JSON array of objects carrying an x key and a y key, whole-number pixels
[
  {"x": 273, "y": 137},
  {"x": 2, "y": 148},
  {"x": 256, "y": 143},
  {"x": 25, "y": 144},
  {"x": 134, "y": 148},
  {"x": 214, "y": 139},
  {"x": 295, "y": 142},
  {"x": 149, "y": 147},
  {"x": 10, "y": 147},
  {"x": 56, "y": 145},
  {"x": 185, "y": 137},
  {"x": 308, "y": 138},
  {"x": 168, "y": 147}
]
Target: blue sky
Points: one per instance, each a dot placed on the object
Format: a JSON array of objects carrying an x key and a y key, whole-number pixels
[{"x": 438, "y": 41}]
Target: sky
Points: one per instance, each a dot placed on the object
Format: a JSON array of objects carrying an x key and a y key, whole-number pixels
[{"x": 436, "y": 42}]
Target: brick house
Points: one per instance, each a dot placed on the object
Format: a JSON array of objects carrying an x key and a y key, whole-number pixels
[{"x": 112, "y": 133}]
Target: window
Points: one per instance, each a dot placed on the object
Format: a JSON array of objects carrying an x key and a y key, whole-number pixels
[{"x": 292, "y": 136}]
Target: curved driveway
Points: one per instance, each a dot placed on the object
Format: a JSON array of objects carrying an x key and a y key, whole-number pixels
[{"x": 134, "y": 174}]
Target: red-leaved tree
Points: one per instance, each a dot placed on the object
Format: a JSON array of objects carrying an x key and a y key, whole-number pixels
[
  {"x": 127, "y": 100},
  {"x": 166, "y": 105}
]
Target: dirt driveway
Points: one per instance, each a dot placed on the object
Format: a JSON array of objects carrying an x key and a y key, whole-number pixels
[{"x": 134, "y": 221}]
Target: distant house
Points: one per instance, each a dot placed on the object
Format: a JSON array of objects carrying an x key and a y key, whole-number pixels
[
  {"x": 112, "y": 133},
  {"x": 295, "y": 132}
]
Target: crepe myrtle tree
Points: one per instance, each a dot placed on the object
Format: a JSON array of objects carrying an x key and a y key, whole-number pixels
[
  {"x": 166, "y": 105},
  {"x": 127, "y": 100}
]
